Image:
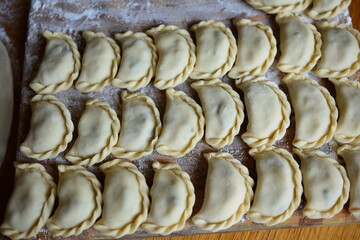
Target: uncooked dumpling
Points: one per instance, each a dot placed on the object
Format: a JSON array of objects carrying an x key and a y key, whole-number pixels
[
  {"x": 60, "y": 65},
  {"x": 347, "y": 101},
  {"x": 79, "y": 202},
  {"x": 141, "y": 127},
  {"x": 176, "y": 55},
  {"x": 351, "y": 156},
  {"x": 183, "y": 125},
  {"x": 138, "y": 61},
  {"x": 98, "y": 132},
  {"x": 50, "y": 129},
  {"x": 228, "y": 193},
  {"x": 276, "y": 6},
  {"x": 31, "y": 202},
  {"x": 172, "y": 199},
  {"x": 326, "y": 185},
  {"x": 327, "y": 8},
  {"x": 340, "y": 51},
  {"x": 215, "y": 50},
  {"x": 125, "y": 197},
  {"x": 278, "y": 188},
  {"x": 300, "y": 44},
  {"x": 99, "y": 62},
  {"x": 223, "y": 110},
  {"x": 315, "y": 112},
  {"x": 256, "y": 49},
  {"x": 268, "y": 111}
]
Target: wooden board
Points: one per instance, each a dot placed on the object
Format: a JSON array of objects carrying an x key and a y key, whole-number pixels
[{"x": 113, "y": 16}]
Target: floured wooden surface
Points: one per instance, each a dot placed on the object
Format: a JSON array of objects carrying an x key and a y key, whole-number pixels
[{"x": 111, "y": 17}]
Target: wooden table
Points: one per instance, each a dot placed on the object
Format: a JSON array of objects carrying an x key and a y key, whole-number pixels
[{"x": 17, "y": 31}]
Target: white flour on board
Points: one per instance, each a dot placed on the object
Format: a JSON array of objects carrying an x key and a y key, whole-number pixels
[{"x": 119, "y": 16}]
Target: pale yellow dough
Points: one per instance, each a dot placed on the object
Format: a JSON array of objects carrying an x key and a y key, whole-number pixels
[
  {"x": 31, "y": 202},
  {"x": 141, "y": 127},
  {"x": 278, "y": 188},
  {"x": 183, "y": 125},
  {"x": 228, "y": 193},
  {"x": 60, "y": 65},
  {"x": 326, "y": 186},
  {"x": 351, "y": 155},
  {"x": 50, "y": 128},
  {"x": 138, "y": 61},
  {"x": 125, "y": 198},
  {"x": 176, "y": 55},
  {"x": 99, "y": 62},
  {"x": 98, "y": 132},
  {"x": 79, "y": 202},
  {"x": 256, "y": 46},
  {"x": 327, "y": 8},
  {"x": 172, "y": 199},
  {"x": 215, "y": 50},
  {"x": 276, "y": 6}
]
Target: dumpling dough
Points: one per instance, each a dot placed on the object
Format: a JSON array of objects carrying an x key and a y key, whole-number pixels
[
  {"x": 138, "y": 61},
  {"x": 215, "y": 50},
  {"x": 172, "y": 199},
  {"x": 176, "y": 55},
  {"x": 141, "y": 127},
  {"x": 125, "y": 197},
  {"x": 223, "y": 110},
  {"x": 99, "y": 63},
  {"x": 98, "y": 132},
  {"x": 256, "y": 49},
  {"x": 228, "y": 193},
  {"x": 276, "y": 6},
  {"x": 50, "y": 128},
  {"x": 315, "y": 112},
  {"x": 340, "y": 52},
  {"x": 183, "y": 125},
  {"x": 300, "y": 44},
  {"x": 268, "y": 111},
  {"x": 278, "y": 188},
  {"x": 327, "y": 8},
  {"x": 351, "y": 155},
  {"x": 347, "y": 101},
  {"x": 326, "y": 185},
  {"x": 79, "y": 202},
  {"x": 60, "y": 65},
  {"x": 31, "y": 202}
]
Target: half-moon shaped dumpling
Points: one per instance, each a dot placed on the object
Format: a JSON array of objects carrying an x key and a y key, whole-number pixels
[
  {"x": 172, "y": 199},
  {"x": 278, "y": 188},
  {"x": 141, "y": 127},
  {"x": 315, "y": 112},
  {"x": 223, "y": 110},
  {"x": 326, "y": 186},
  {"x": 79, "y": 202},
  {"x": 98, "y": 132},
  {"x": 228, "y": 193},
  {"x": 138, "y": 61},
  {"x": 60, "y": 65},
  {"x": 31, "y": 202},
  {"x": 215, "y": 50},
  {"x": 276, "y": 6},
  {"x": 351, "y": 155},
  {"x": 300, "y": 44},
  {"x": 125, "y": 198},
  {"x": 176, "y": 55},
  {"x": 183, "y": 125},
  {"x": 256, "y": 49},
  {"x": 50, "y": 129},
  {"x": 340, "y": 51},
  {"x": 327, "y": 8},
  {"x": 347, "y": 101},
  {"x": 268, "y": 111},
  {"x": 99, "y": 62}
]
